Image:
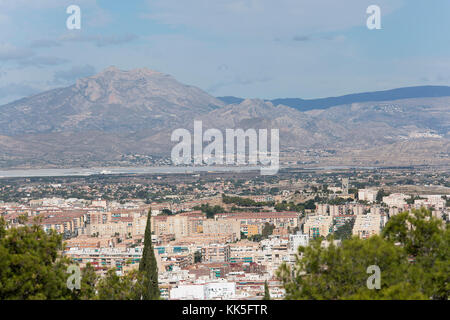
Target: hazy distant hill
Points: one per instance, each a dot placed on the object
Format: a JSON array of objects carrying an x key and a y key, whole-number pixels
[
  {"x": 101, "y": 118},
  {"x": 358, "y": 125},
  {"x": 325, "y": 103}
]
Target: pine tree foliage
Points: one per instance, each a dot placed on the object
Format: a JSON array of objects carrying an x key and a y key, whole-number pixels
[{"x": 148, "y": 266}]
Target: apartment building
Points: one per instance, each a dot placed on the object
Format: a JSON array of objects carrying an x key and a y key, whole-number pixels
[
  {"x": 84, "y": 241},
  {"x": 243, "y": 251},
  {"x": 121, "y": 229},
  {"x": 357, "y": 209},
  {"x": 341, "y": 220},
  {"x": 96, "y": 217},
  {"x": 367, "y": 225},
  {"x": 297, "y": 240},
  {"x": 204, "y": 239},
  {"x": 103, "y": 259},
  {"x": 322, "y": 209},
  {"x": 177, "y": 225},
  {"x": 430, "y": 201},
  {"x": 273, "y": 253},
  {"x": 216, "y": 253},
  {"x": 208, "y": 291},
  {"x": 251, "y": 229},
  {"x": 64, "y": 222},
  {"x": 336, "y": 210},
  {"x": 318, "y": 225},
  {"x": 369, "y": 195},
  {"x": 278, "y": 219},
  {"x": 222, "y": 227},
  {"x": 396, "y": 200}
]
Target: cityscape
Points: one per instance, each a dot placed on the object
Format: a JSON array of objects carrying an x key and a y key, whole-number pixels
[
  {"x": 224, "y": 157},
  {"x": 218, "y": 235}
]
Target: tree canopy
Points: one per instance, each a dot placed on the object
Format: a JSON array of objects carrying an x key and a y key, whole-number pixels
[
  {"x": 31, "y": 267},
  {"x": 412, "y": 254},
  {"x": 148, "y": 267},
  {"x": 266, "y": 291},
  {"x": 115, "y": 287}
]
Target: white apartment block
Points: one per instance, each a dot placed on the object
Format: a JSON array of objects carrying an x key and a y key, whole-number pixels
[
  {"x": 297, "y": 240},
  {"x": 177, "y": 225},
  {"x": 368, "y": 195},
  {"x": 396, "y": 200},
  {"x": 243, "y": 251},
  {"x": 208, "y": 291},
  {"x": 222, "y": 227},
  {"x": 103, "y": 259},
  {"x": 335, "y": 210},
  {"x": 375, "y": 210},
  {"x": 367, "y": 225},
  {"x": 220, "y": 290},
  {"x": 435, "y": 201},
  {"x": 322, "y": 209},
  {"x": 358, "y": 209},
  {"x": 216, "y": 253}
]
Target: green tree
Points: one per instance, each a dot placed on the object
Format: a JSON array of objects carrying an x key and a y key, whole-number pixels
[
  {"x": 31, "y": 265},
  {"x": 166, "y": 212},
  {"x": 380, "y": 194},
  {"x": 447, "y": 201},
  {"x": 148, "y": 266},
  {"x": 427, "y": 242},
  {"x": 88, "y": 284},
  {"x": 2, "y": 227},
  {"x": 340, "y": 272},
  {"x": 345, "y": 231},
  {"x": 267, "y": 230},
  {"x": 255, "y": 238},
  {"x": 266, "y": 291},
  {"x": 310, "y": 204},
  {"x": 115, "y": 287},
  {"x": 197, "y": 257},
  {"x": 209, "y": 210},
  {"x": 412, "y": 254}
]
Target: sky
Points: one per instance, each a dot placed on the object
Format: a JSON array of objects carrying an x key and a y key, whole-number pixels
[{"x": 246, "y": 48}]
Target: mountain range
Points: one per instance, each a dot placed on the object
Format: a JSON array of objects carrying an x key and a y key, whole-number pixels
[
  {"x": 101, "y": 118},
  {"x": 325, "y": 103}
]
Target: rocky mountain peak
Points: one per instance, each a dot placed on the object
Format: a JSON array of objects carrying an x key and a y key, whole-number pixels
[
  {"x": 114, "y": 72},
  {"x": 115, "y": 86}
]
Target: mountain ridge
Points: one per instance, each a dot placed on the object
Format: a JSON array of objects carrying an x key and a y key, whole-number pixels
[
  {"x": 106, "y": 117},
  {"x": 372, "y": 96},
  {"x": 112, "y": 100}
]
